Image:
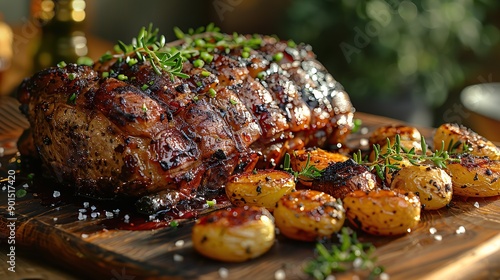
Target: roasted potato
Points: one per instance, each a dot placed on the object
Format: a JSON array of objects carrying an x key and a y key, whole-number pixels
[
  {"x": 317, "y": 157},
  {"x": 406, "y": 133},
  {"x": 474, "y": 176},
  {"x": 234, "y": 234},
  {"x": 463, "y": 139},
  {"x": 260, "y": 188},
  {"x": 308, "y": 215},
  {"x": 431, "y": 184},
  {"x": 383, "y": 212}
]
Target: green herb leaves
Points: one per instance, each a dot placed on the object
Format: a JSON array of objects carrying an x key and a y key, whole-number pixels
[
  {"x": 389, "y": 159},
  {"x": 149, "y": 46},
  {"x": 349, "y": 253},
  {"x": 309, "y": 171}
]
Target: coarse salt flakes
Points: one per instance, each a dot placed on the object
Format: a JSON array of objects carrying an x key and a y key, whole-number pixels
[
  {"x": 279, "y": 274},
  {"x": 109, "y": 215},
  {"x": 26, "y": 186},
  {"x": 476, "y": 204},
  {"x": 357, "y": 262},
  {"x": 81, "y": 216},
  {"x": 460, "y": 230},
  {"x": 178, "y": 258},
  {"x": 55, "y": 219},
  {"x": 56, "y": 194},
  {"x": 84, "y": 235},
  {"x": 223, "y": 272},
  {"x": 179, "y": 243},
  {"x": 432, "y": 230},
  {"x": 86, "y": 204},
  {"x": 438, "y": 237},
  {"x": 93, "y": 207},
  {"x": 384, "y": 276},
  {"x": 363, "y": 142}
]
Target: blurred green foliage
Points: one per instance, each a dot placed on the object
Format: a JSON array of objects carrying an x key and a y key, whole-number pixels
[{"x": 383, "y": 48}]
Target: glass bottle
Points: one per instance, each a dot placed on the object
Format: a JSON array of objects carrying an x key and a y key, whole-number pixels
[{"x": 62, "y": 28}]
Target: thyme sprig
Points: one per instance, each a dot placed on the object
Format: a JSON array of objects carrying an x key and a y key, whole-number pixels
[
  {"x": 149, "y": 46},
  {"x": 349, "y": 253},
  {"x": 309, "y": 171},
  {"x": 388, "y": 161}
]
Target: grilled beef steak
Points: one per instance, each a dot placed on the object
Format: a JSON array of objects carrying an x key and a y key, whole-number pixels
[{"x": 118, "y": 128}]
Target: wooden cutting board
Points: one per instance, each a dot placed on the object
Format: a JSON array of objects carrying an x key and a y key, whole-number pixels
[{"x": 94, "y": 248}]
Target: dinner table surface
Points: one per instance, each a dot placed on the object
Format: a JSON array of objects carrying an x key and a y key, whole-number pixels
[{"x": 33, "y": 262}]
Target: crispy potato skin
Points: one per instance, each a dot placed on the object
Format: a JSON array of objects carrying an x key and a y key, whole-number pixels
[
  {"x": 383, "y": 212},
  {"x": 406, "y": 133},
  {"x": 475, "y": 176},
  {"x": 433, "y": 185},
  {"x": 234, "y": 234},
  {"x": 453, "y": 133},
  {"x": 262, "y": 188},
  {"x": 317, "y": 157},
  {"x": 308, "y": 215}
]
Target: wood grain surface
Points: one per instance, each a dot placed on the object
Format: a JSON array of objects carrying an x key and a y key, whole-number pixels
[{"x": 93, "y": 250}]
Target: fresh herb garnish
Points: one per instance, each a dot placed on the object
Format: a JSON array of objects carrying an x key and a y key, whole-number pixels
[
  {"x": 388, "y": 161},
  {"x": 357, "y": 125},
  {"x": 211, "y": 203},
  {"x": 85, "y": 60},
  {"x": 72, "y": 99},
  {"x": 309, "y": 171},
  {"x": 148, "y": 46},
  {"x": 349, "y": 253}
]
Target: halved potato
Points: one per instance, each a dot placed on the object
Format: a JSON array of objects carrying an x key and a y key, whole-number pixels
[
  {"x": 260, "y": 188},
  {"x": 234, "y": 234},
  {"x": 475, "y": 176},
  {"x": 463, "y": 139},
  {"x": 433, "y": 185},
  {"x": 406, "y": 133},
  {"x": 383, "y": 212},
  {"x": 308, "y": 215}
]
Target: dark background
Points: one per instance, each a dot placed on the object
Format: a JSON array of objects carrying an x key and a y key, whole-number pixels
[{"x": 403, "y": 59}]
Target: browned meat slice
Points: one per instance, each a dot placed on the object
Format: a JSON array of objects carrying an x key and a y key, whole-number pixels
[{"x": 341, "y": 178}]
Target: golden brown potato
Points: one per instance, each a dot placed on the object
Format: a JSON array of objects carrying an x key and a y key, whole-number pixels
[
  {"x": 319, "y": 158},
  {"x": 383, "y": 212},
  {"x": 260, "y": 188},
  {"x": 406, "y": 133},
  {"x": 234, "y": 234},
  {"x": 433, "y": 185},
  {"x": 475, "y": 176},
  {"x": 308, "y": 215},
  {"x": 459, "y": 135}
]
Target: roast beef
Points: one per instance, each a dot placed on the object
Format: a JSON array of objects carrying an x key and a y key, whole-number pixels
[{"x": 120, "y": 129}]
